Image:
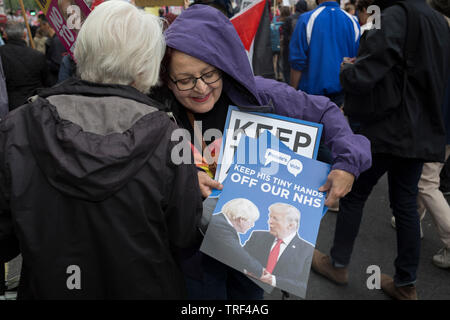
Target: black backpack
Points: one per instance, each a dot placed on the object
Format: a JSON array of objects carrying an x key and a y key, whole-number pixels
[{"x": 387, "y": 95}]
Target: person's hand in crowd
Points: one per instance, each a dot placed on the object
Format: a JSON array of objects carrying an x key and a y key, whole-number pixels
[
  {"x": 338, "y": 184},
  {"x": 347, "y": 60},
  {"x": 207, "y": 184}
]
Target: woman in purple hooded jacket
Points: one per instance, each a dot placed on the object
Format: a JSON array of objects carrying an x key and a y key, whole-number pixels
[{"x": 206, "y": 69}]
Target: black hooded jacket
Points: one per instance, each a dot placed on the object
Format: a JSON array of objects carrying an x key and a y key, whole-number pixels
[
  {"x": 291, "y": 21},
  {"x": 287, "y": 30},
  {"x": 25, "y": 71},
  {"x": 413, "y": 127},
  {"x": 87, "y": 182}
]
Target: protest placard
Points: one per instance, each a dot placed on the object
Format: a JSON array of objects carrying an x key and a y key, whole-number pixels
[
  {"x": 266, "y": 225},
  {"x": 301, "y": 136},
  {"x": 66, "y": 18}
]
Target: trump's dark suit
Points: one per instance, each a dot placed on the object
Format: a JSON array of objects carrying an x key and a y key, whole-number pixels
[
  {"x": 293, "y": 266},
  {"x": 222, "y": 243}
]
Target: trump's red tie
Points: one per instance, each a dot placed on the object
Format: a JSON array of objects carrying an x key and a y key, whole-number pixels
[{"x": 273, "y": 256}]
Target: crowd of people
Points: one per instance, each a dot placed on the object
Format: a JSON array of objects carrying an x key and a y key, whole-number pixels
[{"x": 87, "y": 177}]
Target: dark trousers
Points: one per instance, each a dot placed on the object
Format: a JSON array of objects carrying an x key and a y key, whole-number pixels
[
  {"x": 217, "y": 281},
  {"x": 445, "y": 177},
  {"x": 2, "y": 279},
  {"x": 324, "y": 153},
  {"x": 403, "y": 177}
]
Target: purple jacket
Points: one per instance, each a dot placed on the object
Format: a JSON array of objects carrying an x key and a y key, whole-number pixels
[{"x": 206, "y": 34}]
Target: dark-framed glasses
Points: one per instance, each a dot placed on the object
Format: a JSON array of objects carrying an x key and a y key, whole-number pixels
[{"x": 190, "y": 83}]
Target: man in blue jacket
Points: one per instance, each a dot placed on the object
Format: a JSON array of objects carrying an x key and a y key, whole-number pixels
[{"x": 321, "y": 39}]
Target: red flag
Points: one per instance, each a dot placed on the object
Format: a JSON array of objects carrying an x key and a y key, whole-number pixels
[
  {"x": 247, "y": 21},
  {"x": 253, "y": 27},
  {"x": 96, "y": 3}
]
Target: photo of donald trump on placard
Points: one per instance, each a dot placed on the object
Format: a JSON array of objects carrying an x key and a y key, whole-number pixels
[{"x": 285, "y": 256}]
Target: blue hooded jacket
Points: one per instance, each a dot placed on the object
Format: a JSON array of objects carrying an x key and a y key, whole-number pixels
[
  {"x": 206, "y": 34},
  {"x": 321, "y": 39}
]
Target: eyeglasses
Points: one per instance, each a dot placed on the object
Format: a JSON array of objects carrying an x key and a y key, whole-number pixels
[{"x": 190, "y": 83}]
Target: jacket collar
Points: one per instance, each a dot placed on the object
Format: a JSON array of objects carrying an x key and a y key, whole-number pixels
[
  {"x": 81, "y": 87},
  {"x": 329, "y": 4},
  {"x": 21, "y": 43}
]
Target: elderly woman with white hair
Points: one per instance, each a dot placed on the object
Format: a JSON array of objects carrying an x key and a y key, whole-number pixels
[{"x": 88, "y": 191}]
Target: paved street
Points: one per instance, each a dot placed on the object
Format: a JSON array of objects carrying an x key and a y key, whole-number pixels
[{"x": 376, "y": 245}]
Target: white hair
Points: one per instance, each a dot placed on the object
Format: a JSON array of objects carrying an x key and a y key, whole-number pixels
[
  {"x": 241, "y": 208},
  {"x": 292, "y": 214},
  {"x": 120, "y": 44},
  {"x": 15, "y": 30}
]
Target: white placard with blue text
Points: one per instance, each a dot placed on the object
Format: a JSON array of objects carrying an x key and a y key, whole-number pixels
[
  {"x": 300, "y": 136},
  {"x": 281, "y": 176}
]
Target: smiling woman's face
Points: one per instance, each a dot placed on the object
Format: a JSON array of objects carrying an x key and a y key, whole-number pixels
[{"x": 202, "y": 97}]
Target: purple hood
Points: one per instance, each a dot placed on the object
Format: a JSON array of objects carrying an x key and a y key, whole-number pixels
[{"x": 206, "y": 34}]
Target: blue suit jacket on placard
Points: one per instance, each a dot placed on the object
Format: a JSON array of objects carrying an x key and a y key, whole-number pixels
[{"x": 293, "y": 266}]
